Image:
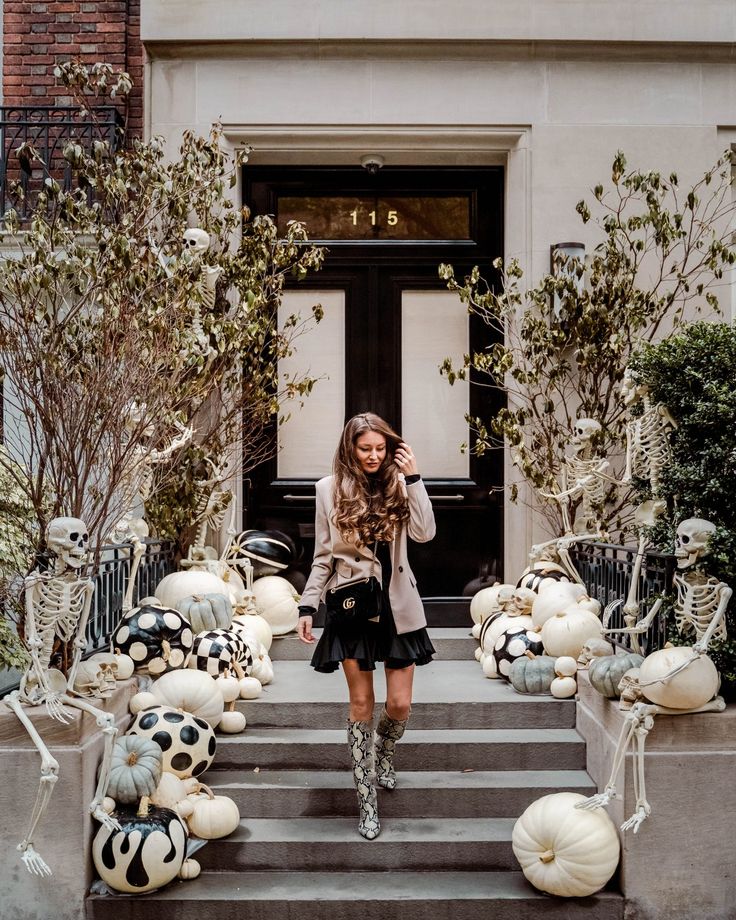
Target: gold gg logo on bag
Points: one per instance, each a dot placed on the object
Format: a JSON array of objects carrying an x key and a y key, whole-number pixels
[{"x": 348, "y": 603}]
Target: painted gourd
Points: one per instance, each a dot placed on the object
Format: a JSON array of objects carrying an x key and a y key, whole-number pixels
[
  {"x": 188, "y": 743},
  {"x": 214, "y": 816},
  {"x": 512, "y": 644},
  {"x": 146, "y": 853},
  {"x": 206, "y": 611},
  {"x": 563, "y": 687},
  {"x": 254, "y": 624},
  {"x": 269, "y": 551},
  {"x": 485, "y": 602},
  {"x": 567, "y": 631},
  {"x": 175, "y": 587},
  {"x": 262, "y": 669},
  {"x": 542, "y": 574},
  {"x": 135, "y": 769},
  {"x": 158, "y": 639},
  {"x": 557, "y": 597},
  {"x": 276, "y": 601},
  {"x": 532, "y": 674},
  {"x": 564, "y": 850},
  {"x": 193, "y": 691},
  {"x": 497, "y": 623},
  {"x": 605, "y": 673},
  {"x": 219, "y": 650},
  {"x": 692, "y": 687}
]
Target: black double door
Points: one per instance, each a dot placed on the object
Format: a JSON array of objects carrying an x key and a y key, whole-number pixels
[{"x": 396, "y": 318}]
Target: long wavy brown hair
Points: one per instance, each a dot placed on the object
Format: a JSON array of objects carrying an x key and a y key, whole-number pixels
[{"x": 367, "y": 508}]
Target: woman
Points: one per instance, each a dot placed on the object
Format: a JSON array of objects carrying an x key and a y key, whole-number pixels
[{"x": 365, "y": 511}]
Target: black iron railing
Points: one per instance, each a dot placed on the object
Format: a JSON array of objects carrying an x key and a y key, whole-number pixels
[
  {"x": 607, "y": 570},
  {"x": 111, "y": 580},
  {"x": 48, "y": 129}
]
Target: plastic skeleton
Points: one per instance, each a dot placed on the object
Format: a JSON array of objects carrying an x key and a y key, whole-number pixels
[
  {"x": 700, "y": 600},
  {"x": 647, "y": 435},
  {"x": 700, "y": 608},
  {"x": 584, "y": 476},
  {"x": 209, "y": 512},
  {"x": 136, "y": 488},
  {"x": 57, "y": 607}
]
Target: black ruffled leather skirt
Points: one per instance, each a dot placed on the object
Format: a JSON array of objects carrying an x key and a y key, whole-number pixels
[{"x": 369, "y": 642}]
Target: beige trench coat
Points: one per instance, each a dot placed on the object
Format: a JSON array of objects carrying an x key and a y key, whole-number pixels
[{"x": 352, "y": 562}]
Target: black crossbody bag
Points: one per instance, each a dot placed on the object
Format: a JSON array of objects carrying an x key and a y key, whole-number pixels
[{"x": 358, "y": 601}]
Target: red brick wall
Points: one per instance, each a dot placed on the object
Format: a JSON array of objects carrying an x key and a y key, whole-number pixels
[{"x": 40, "y": 33}]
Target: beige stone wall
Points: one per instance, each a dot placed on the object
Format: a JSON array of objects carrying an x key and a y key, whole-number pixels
[{"x": 549, "y": 88}]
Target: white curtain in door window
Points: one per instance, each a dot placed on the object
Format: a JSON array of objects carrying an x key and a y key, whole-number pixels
[
  {"x": 307, "y": 440},
  {"x": 434, "y": 326}
]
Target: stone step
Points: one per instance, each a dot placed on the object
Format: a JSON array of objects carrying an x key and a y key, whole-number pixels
[
  {"x": 451, "y": 644},
  {"x": 426, "y": 793},
  {"x": 285, "y": 895},
  {"x": 415, "y": 844},
  {"x": 439, "y": 749},
  {"x": 447, "y": 694}
]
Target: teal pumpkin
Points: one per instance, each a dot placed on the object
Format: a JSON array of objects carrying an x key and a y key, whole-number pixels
[
  {"x": 206, "y": 611},
  {"x": 605, "y": 673},
  {"x": 532, "y": 675},
  {"x": 136, "y": 769}
]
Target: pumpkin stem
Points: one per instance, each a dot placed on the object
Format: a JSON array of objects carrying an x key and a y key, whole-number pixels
[
  {"x": 238, "y": 670},
  {"x": 547, "y": 856},
  {"x": 530, "y": 654},
  {"x": 231, "y": 706},
  {"x": 203, "y": 788},
  {"x": 132, "y": 759},
  {"x": 144, "y": 806},
  {"x": 166, "y": 646}
]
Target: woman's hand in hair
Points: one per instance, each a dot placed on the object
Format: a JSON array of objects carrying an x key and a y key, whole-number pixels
[
  {"x": 304, "y": 629},
  {"x": 405, "y": 460}
]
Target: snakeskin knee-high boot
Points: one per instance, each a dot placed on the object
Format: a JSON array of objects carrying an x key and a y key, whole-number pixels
[
  {"x": 360, "y": 742},
  {"x": 388, "y": 732}
]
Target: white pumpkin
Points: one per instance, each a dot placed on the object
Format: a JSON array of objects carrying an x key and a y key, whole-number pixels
[
  {"x": 193, "y": 691},
  {"x": 126, "y": 665},
  {"x": 109, "y": 805},
  {"x": 250, "y": 688},
  {"x": 175, "y": 587},
  {"x": 142, "y": 700},
  {"x": 190, "y": 869},
  {"x": 232, "y": 722},
  {"x": 556, "y": 597},
  {"x": 262, "y": 669},
  {"x": 478, "y": 653},
  {"x": 475, "y": 631},
  {"x": 485, "y": 602},
  {"x": 214, "y": 816},
  {"x": 564, "y": 850},
  {"x": 568, "y": 630},
  {"x": 170, "y": 791},
  {"x": 253, "y": 624},
  {"x": 565, "y": 666},
  {"x": 692, "y": 687},
  {"x": 488, "y": 665},
  {"x": 229, "y": 687},
  {"x": 277, "y": 602},
  {"x": 563, "y": 687}
]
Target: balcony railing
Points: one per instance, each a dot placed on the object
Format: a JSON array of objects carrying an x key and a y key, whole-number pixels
[
  {"x": 607, "y": 570},
  {"x": 48, "y": 129}
]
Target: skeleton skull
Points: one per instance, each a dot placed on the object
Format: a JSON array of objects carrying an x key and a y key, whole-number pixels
[
  {"x": 584, "y": 430},
  {"x": 196, "y": 242},
  {"x": 521, "y": 602},
  {"x": 693, "y": 536},
  {"x": 504, "y": 600},
  {"x": 90, "y": 680},
  {"x": 630, "y": 689},
  {"x": 594, "y": 648},
  {"x": 631, "y": 389},
  {"x": 108, "y": 665},
  {"x": 67, "y": 538}
]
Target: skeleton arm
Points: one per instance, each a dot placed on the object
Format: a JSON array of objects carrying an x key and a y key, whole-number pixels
[
  {"x": 33, "y": 640},
  {"x": 643, "y": 625},
  {"x": 724, "y": 597}
]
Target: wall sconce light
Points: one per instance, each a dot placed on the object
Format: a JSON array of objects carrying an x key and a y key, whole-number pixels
[{"x": 558, "y": 254}]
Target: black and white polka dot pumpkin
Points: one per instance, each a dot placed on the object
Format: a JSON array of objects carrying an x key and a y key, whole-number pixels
[
  {"x": 512, "y": 644},
  {"x": 158, "y": 639},
  {"x": 146, "y": 852},
  {"x": 215, "y": 650},
  {"x": 534, "y": 578},
  {"x": 188, "y": 743}
]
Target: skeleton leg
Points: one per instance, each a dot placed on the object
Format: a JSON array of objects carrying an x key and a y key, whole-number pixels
[
  {"x": 139, "y": 550},
  {"x": 106, "y": 721},
  {"x": 644, "y": 715},
  {"x": 609, "y": 792},
  {"x": 49, "y": 774}
]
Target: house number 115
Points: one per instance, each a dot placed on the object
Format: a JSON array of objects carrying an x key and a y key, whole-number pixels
[{"x": 392, "y": 218}]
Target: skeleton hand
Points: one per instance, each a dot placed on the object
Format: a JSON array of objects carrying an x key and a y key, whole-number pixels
[
  {"x": 80, "y": 643},
  {"x": 34, "y": 644},
  {"x": 107, "y": 821}
]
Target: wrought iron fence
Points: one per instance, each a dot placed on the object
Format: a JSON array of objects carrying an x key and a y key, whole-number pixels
[
  {"x": 48, "y": 129},
  {"x": 607, "y": 569},
  {"x": 111, "y": 580}
]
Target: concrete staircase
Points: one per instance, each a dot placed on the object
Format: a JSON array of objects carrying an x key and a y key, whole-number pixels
[{"x": 475, "y": 755}]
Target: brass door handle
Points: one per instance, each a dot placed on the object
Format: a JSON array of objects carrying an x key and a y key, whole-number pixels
[
  {"x": 447, "y": 498},
  {"x": 300, "y": 498}
]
